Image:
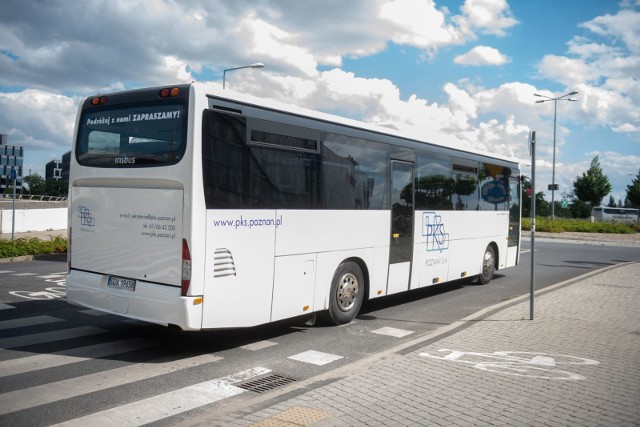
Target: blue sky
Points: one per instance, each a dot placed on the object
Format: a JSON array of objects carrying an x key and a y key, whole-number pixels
[{"x": 459, "y": 72}]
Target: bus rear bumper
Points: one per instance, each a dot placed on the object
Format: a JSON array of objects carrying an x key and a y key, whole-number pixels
[{"x": 149, "y": 302}]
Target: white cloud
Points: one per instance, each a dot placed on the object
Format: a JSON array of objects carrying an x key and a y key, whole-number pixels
[
  {"x": 265, "y": 41},
  {"x": 420, "y": 23},
  {"x": 38, "y": 120},
  {"x": 489, "y": 16},
  {"x": 604, "y": 68},
  {"x": 626, "y": 127},
  {"x": 481, "y": 56},
  {"x": 624, "y": 26}
]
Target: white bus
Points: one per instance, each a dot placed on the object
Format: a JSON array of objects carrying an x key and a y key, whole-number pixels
[
  {"x": 605, "y": 213},
  {"x": 217, "y": 210}
]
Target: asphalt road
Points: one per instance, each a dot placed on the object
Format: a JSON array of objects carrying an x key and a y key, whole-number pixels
[{"x": 61, "y": 362}]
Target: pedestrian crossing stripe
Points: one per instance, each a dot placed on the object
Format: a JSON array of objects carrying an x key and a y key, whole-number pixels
[
  {"x": 169, "y": 404},
  {"x": 28, "y": 321},
  {"x": 51, "y": 336},
  {"x": 52, "y": 392},
  {"x": 74, "y": 355}
]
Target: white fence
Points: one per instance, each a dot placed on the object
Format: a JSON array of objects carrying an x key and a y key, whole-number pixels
[{"x": 33, "y": 219}]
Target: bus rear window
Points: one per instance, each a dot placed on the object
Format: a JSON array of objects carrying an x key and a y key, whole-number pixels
[{"x": 132, "y": 136}]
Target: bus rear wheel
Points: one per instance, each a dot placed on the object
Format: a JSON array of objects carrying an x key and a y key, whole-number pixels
[
  {"x": 347, "y": 293},
  {"x": 488, "y": 265}
]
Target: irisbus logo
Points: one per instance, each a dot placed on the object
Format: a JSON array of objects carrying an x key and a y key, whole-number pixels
[{"x": 85, "y": 216}]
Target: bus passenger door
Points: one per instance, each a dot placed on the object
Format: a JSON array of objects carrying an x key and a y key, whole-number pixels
[
  {"x": 401, "y": 243},
  {"x": 515, "y": 212}
]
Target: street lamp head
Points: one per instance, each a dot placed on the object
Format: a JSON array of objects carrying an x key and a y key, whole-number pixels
[
  {"x": 261, "y": 65},
  {"x": 572, "y": 93},
  {"x": 541, "y": 100}
]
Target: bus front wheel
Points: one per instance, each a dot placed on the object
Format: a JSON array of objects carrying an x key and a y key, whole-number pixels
[
  {"x": 347, "y": 293},
  {"x": 488, "y": 265}
]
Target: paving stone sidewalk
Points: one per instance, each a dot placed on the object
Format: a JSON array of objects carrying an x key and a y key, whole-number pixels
[{"x": 576, "y": 364}]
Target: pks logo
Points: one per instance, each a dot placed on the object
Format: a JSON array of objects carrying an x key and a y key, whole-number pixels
[
  {"x": 85, "y": 216},
  {"x": 433, "y": 230}
]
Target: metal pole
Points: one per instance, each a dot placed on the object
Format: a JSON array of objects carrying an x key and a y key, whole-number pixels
[
  {"x": 553, "y": 168},
  {"x": 533, "y": 225}
]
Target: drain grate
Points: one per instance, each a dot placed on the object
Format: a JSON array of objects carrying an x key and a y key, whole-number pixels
[{"x": 266, "y": 383}]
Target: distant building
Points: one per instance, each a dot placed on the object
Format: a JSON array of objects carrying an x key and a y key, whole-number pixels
[
  {"x": 58, "y": 170},
  {"x": 11, "y": 157}
]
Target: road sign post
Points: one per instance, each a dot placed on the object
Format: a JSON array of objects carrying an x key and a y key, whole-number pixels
[{"x": 532, "y": 147}]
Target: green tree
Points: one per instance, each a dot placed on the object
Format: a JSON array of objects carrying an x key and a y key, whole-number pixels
[
  {"x": 612, "y": 202},
  {"x": 35, "y": 184},
  {"x": 580, "y": 209},
  {"x": 593, "y": 185},
  {"x": 56, "y": 188},
  {"x": 633, "y": 192},
  {"x": 543, "y": 208}
]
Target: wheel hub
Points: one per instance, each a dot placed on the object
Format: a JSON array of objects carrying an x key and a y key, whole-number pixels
[{"x": 347, "y": 292}]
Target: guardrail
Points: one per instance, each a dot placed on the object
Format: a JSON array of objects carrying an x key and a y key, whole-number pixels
[{"x": 35, "y": 198}]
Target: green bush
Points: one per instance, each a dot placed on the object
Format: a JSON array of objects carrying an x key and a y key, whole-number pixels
[
  {"x": 33, "y": 246},
  {"x": 564, "y": 225}
]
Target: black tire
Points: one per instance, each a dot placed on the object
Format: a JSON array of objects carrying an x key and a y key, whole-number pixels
[
  {"x": 488, "y": 266},
  {"x": 347, "y": 293}
]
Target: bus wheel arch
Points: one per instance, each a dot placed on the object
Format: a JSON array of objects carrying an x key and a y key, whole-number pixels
[
  {"x": 349, "y": 287},
  {"x": 489, "y": 263}
]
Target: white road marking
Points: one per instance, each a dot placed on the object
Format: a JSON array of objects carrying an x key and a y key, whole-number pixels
[
  {"x": 53, "y": 276},
  {"x": 393, "y": 332},
  {"x": 259, "y": 345},
  {"x": 78, "y": 386},
  {"x": 315, "y": 357},
  {"x": 5, "y": 306},
  {"x": 23, "y": 274},
  {"x": 27, "y": 321},
  {"x": 51, "y": 336},
  {"x": 6, "y": 271},
  {"x": 79, "y": 354},
  {"x": 168, "y": 404}
]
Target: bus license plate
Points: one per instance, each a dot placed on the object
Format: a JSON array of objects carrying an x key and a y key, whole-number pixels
[{"x": 121, "y": 283}]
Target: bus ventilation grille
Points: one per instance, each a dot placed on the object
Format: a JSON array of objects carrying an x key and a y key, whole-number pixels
[
  {"x": 267, "y": 383},
  {"x": 223, "y": 264}
]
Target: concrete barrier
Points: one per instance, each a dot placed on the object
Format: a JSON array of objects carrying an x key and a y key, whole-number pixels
[{"x": 33, "y": 219}]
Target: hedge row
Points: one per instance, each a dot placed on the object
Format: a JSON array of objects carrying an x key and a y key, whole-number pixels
[
  {"x": 564, "y": 225},
  {"x": 33, "y": 246}
]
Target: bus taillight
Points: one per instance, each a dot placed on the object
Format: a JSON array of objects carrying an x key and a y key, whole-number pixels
[
  {"x": 166, "y": 92},
  {"x": 186, "y": 268},
  {"x": 99, "y": 100}
]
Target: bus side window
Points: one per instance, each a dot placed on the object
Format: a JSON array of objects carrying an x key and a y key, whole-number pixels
[{"x": 223, "y": 169}]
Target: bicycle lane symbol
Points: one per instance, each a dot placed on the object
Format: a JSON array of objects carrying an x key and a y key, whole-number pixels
[
  {"x": 47, "y": 294},
  {"x": 50, "y": 293},
  {"x": 518, "y": 363}
]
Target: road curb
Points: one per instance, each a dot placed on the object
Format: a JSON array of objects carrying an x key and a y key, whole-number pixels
[{"x": 44, "y": 257}]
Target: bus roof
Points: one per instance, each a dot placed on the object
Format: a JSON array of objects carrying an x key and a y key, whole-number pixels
[{"x": 270, "y": 104}]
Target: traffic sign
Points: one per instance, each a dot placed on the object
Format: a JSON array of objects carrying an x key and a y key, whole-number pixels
[{"x": 13, "y": 175}]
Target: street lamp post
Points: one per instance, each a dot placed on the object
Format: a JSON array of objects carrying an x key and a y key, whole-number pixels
[
  {"x": 555, "y": 109},
  {"x": 224, "y": 73}
]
